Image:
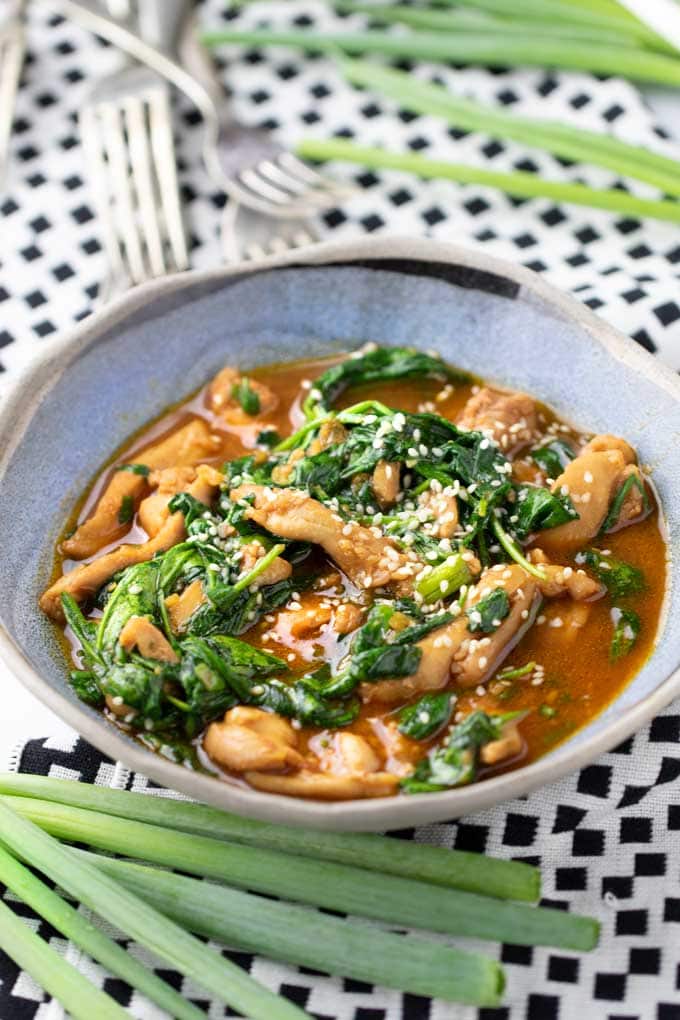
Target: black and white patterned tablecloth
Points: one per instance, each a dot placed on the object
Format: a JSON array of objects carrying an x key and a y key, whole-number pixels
[{"x": 607, "y": 838}]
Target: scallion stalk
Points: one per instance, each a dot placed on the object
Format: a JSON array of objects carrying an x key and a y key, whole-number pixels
[
  {"x": 53, "y": 973},
  {"x": 310, "y": 938},
  {"x": 399, "y": 901},
  {"x": 431, "y": 18},
  {"x": 519, "y": 184},
  {"x": 444, "y": 579},
  {"x": 457, "y": 868},
  {"x": 469, "y": 48},
  {"x": 563, "y": 140},
  {"x": 62, "y": 916},
  {"x": 137, "y": 919}
]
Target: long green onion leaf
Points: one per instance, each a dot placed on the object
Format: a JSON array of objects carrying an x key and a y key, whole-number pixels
[
  {"x": 53, "y": 973},
  {"x": 66, "y": 919},
  {"x": 138, "y": 920},
  {"x": 491, "y": 876},
  {"x": 562, "y": 140},
  {"x": 298, "y": 935},
  {"x": 430, "y": 18},
  {"x": 469, "y": 48},
  {"x": 399, "y": 901},
  {"x": 519, "y": 184}
]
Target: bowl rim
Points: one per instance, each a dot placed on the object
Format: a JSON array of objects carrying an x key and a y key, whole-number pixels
[{"x": 44, "y": 371}]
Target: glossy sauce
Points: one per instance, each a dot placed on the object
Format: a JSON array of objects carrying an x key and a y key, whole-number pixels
[{"x": 579, "y": 679}]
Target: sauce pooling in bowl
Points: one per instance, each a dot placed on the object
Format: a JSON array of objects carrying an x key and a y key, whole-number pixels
[{"x": 358, "y": 577}]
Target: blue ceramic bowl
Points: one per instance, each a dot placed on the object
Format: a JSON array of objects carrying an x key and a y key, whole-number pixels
[{"x": 124, "y": 365}]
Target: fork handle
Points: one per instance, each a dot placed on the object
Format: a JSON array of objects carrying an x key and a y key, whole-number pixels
[{"x": 161, "y": 22}]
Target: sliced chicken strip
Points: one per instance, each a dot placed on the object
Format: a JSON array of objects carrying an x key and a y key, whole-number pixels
[
  {"x": 182, "y": 607},
  {"x": 249, "y": 738},
  {"x": 453, "y": 651},
  {"x": 224, "y": 402},
  {"x": 349, "y": 768},
  {"x": 153, "y": 511},
  {"x": 331, "y": 433},
  {"x": 385, "y": 483},
  {"x": 508, "y": 745},
  {"x": 510, "y": 419},
  {"x": 444, "y": 508},
  {"x": 187, "y": 446},
  {"x": 566, "y": 580},
  {"x": 83, "y": 582},
  {"x": 369, "y": 560},
  {"x": 140, "y": 633},
  {"x": 591, "y": 480}
]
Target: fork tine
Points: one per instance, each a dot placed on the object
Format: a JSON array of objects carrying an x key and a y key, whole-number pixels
[
  {"x": 135, "y": 112},
  {"x": 116, "y": 152},
  {"x": 294, "y": 166},
  {"x": 90, "y": 128},
  {"x": 166, "y": 170}
]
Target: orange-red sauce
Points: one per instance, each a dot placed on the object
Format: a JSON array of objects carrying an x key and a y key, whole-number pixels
[{"x": 580, "y": 680}]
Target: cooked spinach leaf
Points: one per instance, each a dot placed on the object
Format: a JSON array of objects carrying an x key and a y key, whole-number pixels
[
  {"x": 268, "y": 438},
  {"x": 244, "y": 393},
  {"x": 488, "y": 614},
  {"x": 135, "y": 469},
  {"x": 553, "y": 457},
  {"x": 626, "y": 631},
  {"x": 134, "y": 594},
  {"x": 611, "y": 520},
  {"x": 455, "y": 762},
  {"x": 426, "y": 717},
  {"x": 127, "y": 510},
  {"x": 537, "y": 508},
  {"x": 621, "y": 579},
  {"x": 379, "y": 365}
]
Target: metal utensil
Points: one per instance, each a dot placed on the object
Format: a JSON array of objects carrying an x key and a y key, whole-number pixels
[
  {"x": 248, "y": 165},
  {"x": 248, "y": 235},
  {"x": 127, "y": 137},
  {"x": 12, "y": 49}
]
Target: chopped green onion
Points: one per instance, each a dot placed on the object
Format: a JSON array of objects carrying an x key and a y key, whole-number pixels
[
  {"x": 141, "y": 922},
  {"x": 444, "y": 579},
  {"x": 244, "y": 393},
  {"x": 127, "y": 510},
  {"x": 135, "y": 469},
  {"x": 382, "y": 897},
  {"x": 517, "y": 673},
  {"x": 514, "y": 552},
  {"x": 259, "y": 567},
  {"x": 67, "y": 920},
  {"x": 497, "y": 50},
  {"x": 310, "y": 938},
  {"x": 53, "y": 973},
  {"x": 517, "y": 183},
  {"x": 458, "y": 868}
]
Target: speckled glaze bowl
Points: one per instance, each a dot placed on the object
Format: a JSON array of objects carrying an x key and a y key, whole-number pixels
[{"x": 124, "y": 365}]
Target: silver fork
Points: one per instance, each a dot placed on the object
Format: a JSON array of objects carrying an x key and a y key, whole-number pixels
[
  {"x": 127, "y": 137},
  {"x": 247, "y": 164},
  {"x": 248, "y": 235},
  {"x": 12, "y": 48}
]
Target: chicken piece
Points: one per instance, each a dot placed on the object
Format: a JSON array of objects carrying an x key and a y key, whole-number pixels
[
  {"x": 401, "y": 752},
  {"x": 477, "y": 657},
  {"x": 510, "y": 419},
  {"x": 508, "y": 745},
  {"x": 83, "y": 582},
  {"x": 322, "y": 786},
  {"x": 282, "y": 473},
  {"x": 181, "y": 608},
  {"x": 153, "y": 511},
  {"x": 592, "y": 480},
  {"x": 304, "y": 623},
  {"x": 331, "y": 433},
  {"x": 223, "y": 401},
  {"x": 347, "y": 617},
  {"x": 349, "y": 768},
  {"x": 140, "y": 633},
  {"x": 386, "y": 479},
  {"x": 564, "y": 580},
  {"x": 187, "y": 446},
  {"x": 433, "y": 672},
  {"x": 278, "y": 570},
  {"x": 369, "y": 560},
  {"x": 249, "y": 738},
  {"x": 633, "y": 506},
  {"x": 444, "y": 508}
]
